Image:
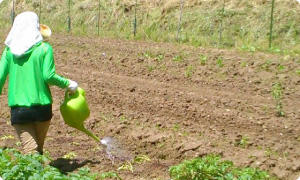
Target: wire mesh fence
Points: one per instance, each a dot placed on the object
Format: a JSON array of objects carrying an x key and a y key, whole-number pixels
[{"x": 219, "y": 26}]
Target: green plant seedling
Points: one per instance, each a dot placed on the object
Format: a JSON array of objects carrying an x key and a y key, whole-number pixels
[
  {"x": 148, "y": 55},
  {"x": 298, "y": 72},
  {"x": 189, "y": 71},
  {"x": 127, "y": 166},
  {"x": 6, "y": 137},
  {"x": 203, "y": 60},
  {"x": 160, "y": 57},
  {"x": 18, "y": 143},
  {"x": 141, "y": 159},
  {"x": 281, "y": 68},
  {"x": 178, "y": 58},
  {"x": 244, "y": 142},
  {"x": 70, "y": 155},
  {"x": 176, "y": 127},
  {"x": 266, "y": 66},
  {"x": 110, "y": 175},
  {"x": 244, "y": 64},
  {"x": 277, "y": 93},
  {"x": 150, "y": 68},
  {"x": 220, "y": 62}
]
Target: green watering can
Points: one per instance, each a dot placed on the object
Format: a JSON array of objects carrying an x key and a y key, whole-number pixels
[{"x": 75, "y": 111}]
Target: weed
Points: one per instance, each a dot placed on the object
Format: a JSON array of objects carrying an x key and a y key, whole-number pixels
[
  {"x": 148, "y": 55},
  {"x": 70, "y": 155},
  {"x": 266, "y": 66},
  {"x": 150, "y": 68},
  {"x": 203, "y": 60},
  {"x": 75, "y": 143},
  {"x": 220, "y": 62},
  {"x": 160, "y": 57},
  {"x": 18, "y": 143},
  {"x": 244, "y": 142},
  {"x": 6, "y": 137},
  {"x": 298, "y": 72},
  {"x": 178, "y": 58},
  {"x": 110, "y": 175},
  {"x": 141, "y": 159},
  {"x": 127, "y": 166},
  {"x": 277, "y": 93},
  {"x": 244, "y": 64},
  {"x": 189, "y": 71},
  {"x": 281, "y": 68},
  {"x": 176, "y": 127}
]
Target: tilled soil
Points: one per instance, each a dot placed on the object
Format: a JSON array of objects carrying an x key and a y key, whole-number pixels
[{"x": 174, "y": 102}]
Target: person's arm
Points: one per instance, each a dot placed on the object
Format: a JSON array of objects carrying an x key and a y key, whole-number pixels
[
  {"x": 49, "y": 74},
  {"x": 3, "y": 69}
]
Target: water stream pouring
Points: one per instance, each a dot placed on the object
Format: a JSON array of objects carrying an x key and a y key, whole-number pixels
[{"x": 75, "y": 111}]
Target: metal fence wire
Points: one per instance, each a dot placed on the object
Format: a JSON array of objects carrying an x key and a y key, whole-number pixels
[{"x": 179, "y": 22}]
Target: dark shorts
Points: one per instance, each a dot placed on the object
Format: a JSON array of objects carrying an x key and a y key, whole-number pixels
[{"x": 21, "y": 115}]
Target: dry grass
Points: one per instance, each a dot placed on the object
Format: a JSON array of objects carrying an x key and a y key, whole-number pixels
[{"x": 244, "y": 24}]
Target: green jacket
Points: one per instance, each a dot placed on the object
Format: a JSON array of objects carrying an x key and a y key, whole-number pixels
[{"x": 30, "y": 75}]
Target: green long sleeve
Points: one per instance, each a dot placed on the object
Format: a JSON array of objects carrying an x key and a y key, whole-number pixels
[
  {"x": 30, "y": 76},
  {"x": 3, "y": 70},
  {"x": 49, "y": 74}
]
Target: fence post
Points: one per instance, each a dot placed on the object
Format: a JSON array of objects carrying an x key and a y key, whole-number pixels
[
  {"x": 134, "y": 23},
  {"x": 40, "y": 13},
  {"x": 221, "y": 23},
  {"x": 12, "y": 14},
  {"x": 180, "y": 19},
  {"x": 98, "y": 23},
  {"x": 69, "y": 16},
  {"x": 271, "y": 24}
]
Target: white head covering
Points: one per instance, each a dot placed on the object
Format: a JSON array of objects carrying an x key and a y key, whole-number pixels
[{"x": 24, "y": 33}]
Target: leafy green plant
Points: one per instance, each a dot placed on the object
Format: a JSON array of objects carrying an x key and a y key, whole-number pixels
[
  {"x": 277, "y": 93},
  {"x": 281, "y": 68},
  {"x": 70, "y": 155},
  {"x": 16, "y": 166},
  {"x": 129, "y": 165},
  {"x": 220, "y": 62},
  {"x": 110, "y": 175},
  {"x": 203, "y": 60},
  {"x": 178, "y": 58},
  {"x": 5, "y": 137},
  {"x": 244, "y": 64},
  {"x": 298, "y": 72},
  {"x": 211, "y": 167},
  {"x": 266, "y": 66},
  {"x": 160, "y": 57},
  {"x": 189, "y": 71},
  {"x": 141, "y": 159},
  {"x": 243, "y": 142},
  {"x": 148, "y": 55},
  {"x": 150, "y": 68}
]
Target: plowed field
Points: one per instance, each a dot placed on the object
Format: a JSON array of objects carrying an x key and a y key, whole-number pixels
[{"x": 173, "y": 102}]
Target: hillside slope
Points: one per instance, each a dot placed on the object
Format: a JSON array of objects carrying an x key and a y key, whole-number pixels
[{"x": 240, "y": 24}]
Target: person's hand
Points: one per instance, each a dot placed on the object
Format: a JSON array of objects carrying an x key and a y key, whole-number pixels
[{"x": 72, "y": 86}]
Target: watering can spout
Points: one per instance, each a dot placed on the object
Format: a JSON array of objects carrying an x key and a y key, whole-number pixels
[
  {"x": 75, "y": 111},
  {"x": 89, "y": 133}
]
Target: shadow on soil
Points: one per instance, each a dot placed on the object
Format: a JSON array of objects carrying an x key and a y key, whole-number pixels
[{"x": 70, "y": 165}]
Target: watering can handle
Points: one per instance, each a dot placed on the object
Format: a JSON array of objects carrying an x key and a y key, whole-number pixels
[{"x": 67, "y": 95}]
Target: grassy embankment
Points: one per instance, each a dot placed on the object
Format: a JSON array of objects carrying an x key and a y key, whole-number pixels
[{"x": 235, "y": 24}]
